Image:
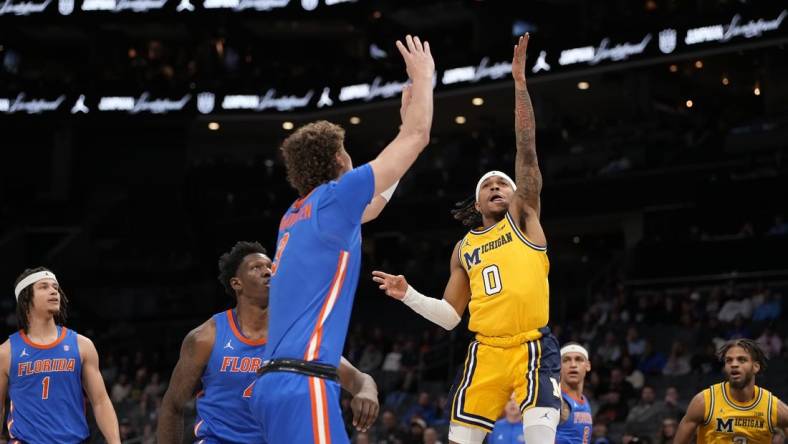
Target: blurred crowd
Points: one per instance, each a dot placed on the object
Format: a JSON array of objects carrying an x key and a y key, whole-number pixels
[{"x": 651, "y": 351}]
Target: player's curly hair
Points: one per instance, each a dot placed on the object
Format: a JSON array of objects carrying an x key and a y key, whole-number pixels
[
  {"x": 465, "y": 211},
  {"x": 230, "y": 261},
  {"x": 25, "y": 301},
  {"x": 751, "y": 347},
  {"x": 310, "y": 155}
]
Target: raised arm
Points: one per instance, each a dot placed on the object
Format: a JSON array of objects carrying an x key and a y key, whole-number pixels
[
  {"x": 526, "y": 206},
  {"x": 96, "y": 391},
  {"x": 414, "y": 134},
  {"x": 691, "y": 421},
  {"x": 365, "y": 403},
  {"x": 446, "y": 312},
  {"x": 195, "y": 353}
]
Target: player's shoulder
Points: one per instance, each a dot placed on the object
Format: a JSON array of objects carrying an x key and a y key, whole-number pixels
[{"x": 203, "y": 336}]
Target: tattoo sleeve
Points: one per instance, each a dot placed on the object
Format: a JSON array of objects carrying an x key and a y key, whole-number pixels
[{"x": 527, "y": 174}]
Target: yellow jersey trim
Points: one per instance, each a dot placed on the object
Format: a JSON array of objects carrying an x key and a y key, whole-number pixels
[{"x": 732, "y": 402}]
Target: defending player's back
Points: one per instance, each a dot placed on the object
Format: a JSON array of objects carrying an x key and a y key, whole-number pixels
[{"x": 508, "y": 280}]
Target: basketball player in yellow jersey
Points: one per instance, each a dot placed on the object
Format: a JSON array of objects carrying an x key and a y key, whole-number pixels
[
  {"x": 737, "y": 410},
  {"x": 499, "y": 271}
]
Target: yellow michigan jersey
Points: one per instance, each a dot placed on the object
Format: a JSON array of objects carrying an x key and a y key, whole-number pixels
[
  {"x": 508, "y": 277},
  {"x": 727, "y": 421}
]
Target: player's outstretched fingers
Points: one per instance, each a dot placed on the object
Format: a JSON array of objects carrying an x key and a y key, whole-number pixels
[
  {"x": 427, "y": 48},
  {"x": 417, "y": 44},
  {"x": 402, "y": 49},
  {"x": 409, "y": 42}
]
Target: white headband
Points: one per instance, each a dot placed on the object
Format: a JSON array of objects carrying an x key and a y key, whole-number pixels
[
  {"x": 490, "y": 174},
  {"x": 574, "y": 348},
  {"x": 32, "y": 279}
]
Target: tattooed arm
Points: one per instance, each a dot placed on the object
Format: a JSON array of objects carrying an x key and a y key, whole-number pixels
[{"x": 526, "y": 206}]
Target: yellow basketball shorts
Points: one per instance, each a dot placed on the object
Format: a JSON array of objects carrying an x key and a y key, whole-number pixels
[{"x": 491, "y": 374}]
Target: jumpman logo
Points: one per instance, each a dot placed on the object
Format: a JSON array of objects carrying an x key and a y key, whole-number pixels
[
  {"x": 229, "y": 345},
  {"x": 541, "y": 63},
  {"x": 325, "y": 98},
  {"x": 79, "y": 106},
  {"x": 24, "y": 353},
  {"x": 184, "y": 5},
  {"x": 545, "y": 416}
]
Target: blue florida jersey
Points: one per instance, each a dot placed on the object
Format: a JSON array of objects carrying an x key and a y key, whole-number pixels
[
  {"x": 223, "y": 412},
  {"x": 45, "y": 387},
  {"x": 316, "y": 268},
  {"x": 577, "y": 428}
]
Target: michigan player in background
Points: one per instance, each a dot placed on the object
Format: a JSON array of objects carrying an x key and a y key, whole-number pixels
[
  {"x": 317, "y": 261},
  {"x": 576, "y": 419},
  {"x": 47, "y": 370},
  {"x": 735, "y": 410},
  {"x": 223, "y": 354},
  {"x": 499, "y": 271}
]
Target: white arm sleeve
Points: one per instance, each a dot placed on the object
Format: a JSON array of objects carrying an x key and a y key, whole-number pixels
[
  {"x": 435, "y": 310},
  {"x": 389, "y": 192}
]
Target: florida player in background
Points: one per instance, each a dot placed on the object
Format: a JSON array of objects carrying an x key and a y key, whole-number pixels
[
  {"x": 499, "y": 271},
  {"x": 48, "y": 369},
  {"x": 576, "y": 419},
  {"x": 317, "y": 261},
  {"x": 223, "y": 354},
  {"x": 735, "y": 410}
]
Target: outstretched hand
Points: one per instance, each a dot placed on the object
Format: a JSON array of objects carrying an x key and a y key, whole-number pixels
[
  {"x": 418, "y": 58},
  {"x": 518, "y": 59},
  {"x": 394, "y": 286}
]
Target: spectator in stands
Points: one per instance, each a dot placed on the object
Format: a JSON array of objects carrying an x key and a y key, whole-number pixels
[
  {"x": 416, "y": 432},
  {"x": 121, "y": 389},
  {"x": 635, "y": 344},
  {"x": 631, "y": 374},
  {"x": 614, "y": 397},
  {"x": 423, "y": 409},
  {"x": 390, "y": 431},
  {"x": 509, "y": 429},
  {"x": 599, "y": 433},
  {"x": 770, "y": 310},
  {"x": 609, "y": 351},
  {"x": 678, "y": 362},
  {"x": 674, "y": 407},
  {"x": 738, "y": 306},
  {"x": 393, "y": 360},
  {"x": 667, "y": 432},
  {"x": 431, "y": 436},
  {"x": 652, "y": 361},
  {"x": 645, "y": 418},
  {"x": 370, "y": 359},
  {"x": 771, "y": 343}
]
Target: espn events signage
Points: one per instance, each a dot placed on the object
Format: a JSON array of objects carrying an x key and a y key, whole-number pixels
[{"x": 67, "y": 7}]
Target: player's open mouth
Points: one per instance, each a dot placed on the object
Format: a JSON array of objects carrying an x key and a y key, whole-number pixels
[{"x": 497, "y": 198}]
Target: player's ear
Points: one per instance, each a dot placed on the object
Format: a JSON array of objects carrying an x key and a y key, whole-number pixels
[
  {"x": 588, "y": 366},
  {"x": 477, "y": 206},
  {"x": 756, "y": 367},
  {"x": 235, "y": 283}
]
